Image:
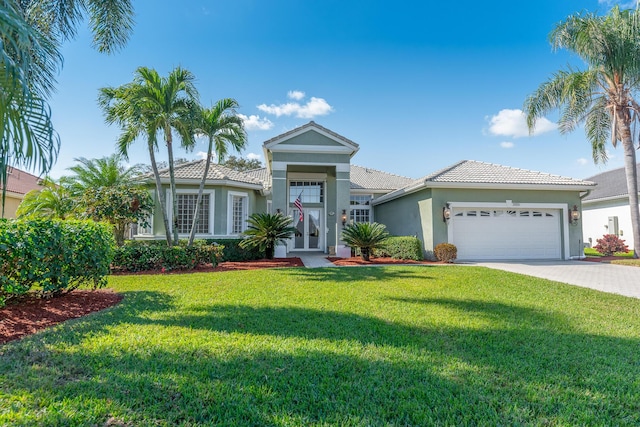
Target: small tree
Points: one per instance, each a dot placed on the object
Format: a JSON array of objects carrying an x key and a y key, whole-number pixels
[
  {"x": 120, "y": 206},
  {"x": 366, "y": 236},
  {"x": 266, "y": 230},
  {"x": 610, "y": 244}
]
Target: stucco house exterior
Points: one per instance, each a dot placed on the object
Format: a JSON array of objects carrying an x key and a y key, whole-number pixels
[
  {"x": 19, "y": 183},
  {"x": 488, "y": 211},
  {"x": 606, "y": 207}
]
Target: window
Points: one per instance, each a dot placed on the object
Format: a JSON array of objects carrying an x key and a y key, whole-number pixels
[
  {"x": 309, "y": 191},
  {"x": 186, "y": 207},
  {"x": 237, "y": 212},
  {"x": 360, "y": 208},
  {"x": 138, "y": 229}
]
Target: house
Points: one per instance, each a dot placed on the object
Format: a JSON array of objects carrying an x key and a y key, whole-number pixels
[
  {"x": 19, "y": 183},
  {"x": 488, "y": 211},
  {"x": 605, "y": 210}
]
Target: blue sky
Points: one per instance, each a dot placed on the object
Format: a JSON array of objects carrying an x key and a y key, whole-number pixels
[{"x": 418, "y": 85}]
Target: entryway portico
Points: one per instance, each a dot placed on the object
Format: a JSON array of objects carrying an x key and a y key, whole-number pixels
[{"x": 312, "y": 164}]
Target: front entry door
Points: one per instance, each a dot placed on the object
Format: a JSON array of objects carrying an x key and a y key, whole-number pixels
[{"x": 308, "y": 234}]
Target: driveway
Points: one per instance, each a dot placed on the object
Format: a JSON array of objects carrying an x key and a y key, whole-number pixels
[{"x": 615, "y": 279}]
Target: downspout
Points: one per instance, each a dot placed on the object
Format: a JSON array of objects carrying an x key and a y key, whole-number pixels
[{"x": 582, "y": 256}]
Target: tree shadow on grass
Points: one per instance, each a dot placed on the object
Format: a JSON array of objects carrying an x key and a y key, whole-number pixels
[
  {"x": 302, "y": 366},
  {"x": 351, "y": 274}
]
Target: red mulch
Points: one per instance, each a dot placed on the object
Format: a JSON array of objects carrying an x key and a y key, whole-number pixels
[
  {"x": 374, "y": 261},
  {"x": 32, "y": 314},
  {"x": 605, "y": 259}
]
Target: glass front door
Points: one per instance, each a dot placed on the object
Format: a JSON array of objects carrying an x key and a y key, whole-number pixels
[{"x": 308, "y": 230}]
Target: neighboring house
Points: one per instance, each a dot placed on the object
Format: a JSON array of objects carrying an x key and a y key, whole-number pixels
[
  {"x": 19, "y": 183},
  {"x": 492, "y": 211},
  {"x": 606, "y": 208}
]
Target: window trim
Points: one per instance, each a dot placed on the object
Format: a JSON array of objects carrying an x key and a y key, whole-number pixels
[
  {"x": 361, "y": 207},
  {"x": 151, "y": 219},
  {"x": 245, "y": 213},
  {"x": 179, "y": 192}
]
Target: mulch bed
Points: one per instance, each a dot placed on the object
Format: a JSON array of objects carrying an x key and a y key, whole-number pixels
[
  {"x": 376, "y": 261},
  {"x": 31, "y": 314},
  {"x": 604, "y": 259}
]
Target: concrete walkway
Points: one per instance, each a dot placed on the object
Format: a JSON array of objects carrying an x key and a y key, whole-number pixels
[
  {"x": 313, "y": 259},
  {"x": 616, "y": 279}
]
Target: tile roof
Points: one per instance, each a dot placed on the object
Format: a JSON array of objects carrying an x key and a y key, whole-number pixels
[
  {"x": 194, "y": 170},
  {"x": 372, "y": 179},
  {"x": 261, "y": 174},
  {"x": 21, "y": 182},
  {"x": 489, "y": 174},
  {"x": 471, "y": 171},
  {"x": 610, "y": 184},
  {"x": 311, "y": 124}
]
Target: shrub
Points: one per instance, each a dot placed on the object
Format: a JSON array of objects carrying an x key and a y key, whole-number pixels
[
  {"x": 402, "y": 247},
  {"x": 54, "y": 256},
  {"x": 365, "y": 236},
  {"x": 265, "y": 231},
  {"x": 445, "y": 252},
  {"x": 141, "y": 256},
  {"x": 610, "y": 244},
  {"x": 233, "y": 252}
]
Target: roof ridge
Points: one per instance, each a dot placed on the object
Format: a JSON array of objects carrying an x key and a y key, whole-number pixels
[
  {"x": 378, "y": 170},
  {"x": 307, "y": 125},
  {"x": 442, "y": 171}
]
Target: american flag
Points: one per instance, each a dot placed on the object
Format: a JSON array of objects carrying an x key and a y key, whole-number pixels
[{"x": 298, "y": 205}]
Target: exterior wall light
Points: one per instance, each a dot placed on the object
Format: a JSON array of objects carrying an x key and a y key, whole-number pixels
[
  {"x": 446, "y": 213},
  {"x": 344, "y": 217},
  {"x": 574, "y": 215}
]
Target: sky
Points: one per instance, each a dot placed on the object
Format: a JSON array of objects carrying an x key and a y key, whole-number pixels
[{"x": 419, "y": 85}]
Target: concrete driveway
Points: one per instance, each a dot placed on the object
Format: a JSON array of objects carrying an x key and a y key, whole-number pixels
[{"x": 615, "y": 279}]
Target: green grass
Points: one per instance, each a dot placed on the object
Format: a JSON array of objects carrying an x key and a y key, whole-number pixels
[
  {"x": 437, "y": 345},
  {"x": 593, "y": 252}
]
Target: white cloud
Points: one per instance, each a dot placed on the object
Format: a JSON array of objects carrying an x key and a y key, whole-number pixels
[
  {"x": 582, "y": 161},
  {"x": 314, "y": 107},
  {"x": 254, "y": 156},
  {"x": 295, "y": 94},
  {"x": 254, "y": 122},
  {"x": 507, "y": 144},
  {"x": 512, "y": 123},
  {"x": 629, "y": 4},
  {"x": 201, "y": 155}
]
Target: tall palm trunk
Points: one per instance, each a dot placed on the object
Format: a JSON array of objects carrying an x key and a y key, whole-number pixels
[
  {"x": 160, "y": 194},
  {"x": 632, "y": 185},
  {"x": 172, "y": 186},
  {"x": 192, "y": 233}
]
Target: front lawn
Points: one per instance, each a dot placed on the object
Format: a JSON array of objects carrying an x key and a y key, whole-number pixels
[{"x": 438, "y": 345}]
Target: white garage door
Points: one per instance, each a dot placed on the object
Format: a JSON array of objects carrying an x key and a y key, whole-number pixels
[{"x": 509, "y": 233}]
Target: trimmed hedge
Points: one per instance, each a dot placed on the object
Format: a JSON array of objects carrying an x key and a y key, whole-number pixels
[
  {"x": 402, "y": 247},
  {"x": 53, "y": 255},
  {"x": 233, "y": 252},
  {"x": 156, "y": 255}
]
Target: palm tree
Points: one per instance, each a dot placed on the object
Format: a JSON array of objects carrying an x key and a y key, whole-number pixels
[
  {"x": 265, "y": 231},
  {"x": 104, "y": 172},
  {"x": 223, "y": 128},
  {"x": 53, "y": 201},
  {"x": 31, "y": 33},
  {"x": 153, "y": 105},
  {"x": 601, "y": 96},
  {"x": 366, "y": 236},
  {"x": 108, "y": 191}
]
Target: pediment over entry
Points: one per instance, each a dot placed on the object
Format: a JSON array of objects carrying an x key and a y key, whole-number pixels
[{"x": 310, "y": 138}]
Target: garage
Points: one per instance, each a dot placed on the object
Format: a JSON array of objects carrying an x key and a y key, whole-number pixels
[{"x": 506, "y": 233}]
